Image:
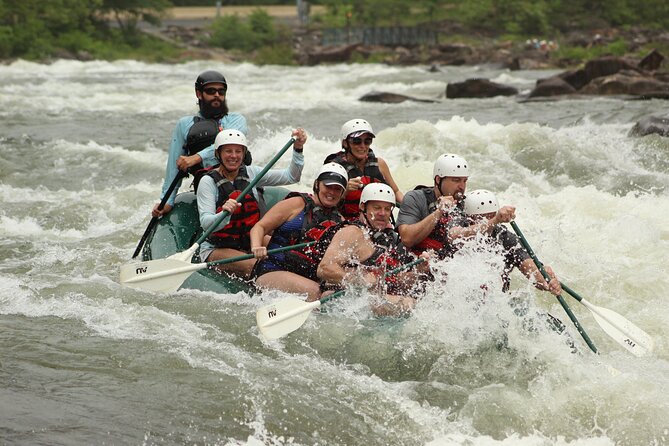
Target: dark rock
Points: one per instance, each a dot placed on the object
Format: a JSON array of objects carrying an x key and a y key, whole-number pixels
[
  {"x": 390, "y": 98},
  {"x": 650, "y": 125},
  {"x": 651, "y": 61},
  {"x": 341, "y": 53},
  {"x": 626, "y": 83},
  {"x": 606, "y": 66},
  {"x": 552, "y": 86},
  {"x": 478, "y": 88},
  {"x": 576, "y": 79}
]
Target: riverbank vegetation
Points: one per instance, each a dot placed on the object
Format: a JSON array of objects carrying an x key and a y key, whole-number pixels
[{"x": 110, "y": 29}]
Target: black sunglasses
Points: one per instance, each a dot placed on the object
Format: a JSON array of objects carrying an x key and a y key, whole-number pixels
[
  {"x": 358, "y": 141},
  {"x": 211, "y": 91}
]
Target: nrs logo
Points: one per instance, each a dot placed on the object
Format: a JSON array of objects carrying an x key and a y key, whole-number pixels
[
  {"x": 141, "y": 269},
  {"x": 271, "y": 313},
  {"x": 630, "y": 342}
]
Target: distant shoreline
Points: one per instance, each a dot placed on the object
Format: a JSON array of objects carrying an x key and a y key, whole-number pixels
[{"x": 209, "y": 13}]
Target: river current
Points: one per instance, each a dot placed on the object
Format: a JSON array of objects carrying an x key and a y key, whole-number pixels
[{"x": 86, "y": 361}]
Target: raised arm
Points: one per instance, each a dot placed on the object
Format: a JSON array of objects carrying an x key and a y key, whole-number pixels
[{"x": 385, "y": 170}]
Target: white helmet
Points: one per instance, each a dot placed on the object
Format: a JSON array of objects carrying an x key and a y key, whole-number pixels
[
  {"x": 480, "y": 201},
  {"x": 450, "y": 165},
  {"x": 333, "y": 173},
  {"x": 230, "y": 136},
  {"x": 377, "y": 192},
  {"x": 356, "y": 127}
]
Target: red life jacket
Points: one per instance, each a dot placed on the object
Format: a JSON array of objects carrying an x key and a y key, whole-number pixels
[
  {"x": 236, "y": 233},
  {"x": 437, "y": 238},
  {"x": 349, "y": 207}
]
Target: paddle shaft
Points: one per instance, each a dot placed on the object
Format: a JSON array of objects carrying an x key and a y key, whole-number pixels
[
  {"x": 246, "y": 190},
  {"x": 191, "y": 267},
  {"x": 250, "y": 256},
  {"x": 560, "y": 299},
  {"x": 161, "y": 205}
]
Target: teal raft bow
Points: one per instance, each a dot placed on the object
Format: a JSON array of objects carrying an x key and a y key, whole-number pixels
[{"x": 147, "y": 275}]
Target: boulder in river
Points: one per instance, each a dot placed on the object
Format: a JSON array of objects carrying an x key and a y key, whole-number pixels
[
  {"x": 650, "y": 125},
  {"x": 478, "y": 88}
]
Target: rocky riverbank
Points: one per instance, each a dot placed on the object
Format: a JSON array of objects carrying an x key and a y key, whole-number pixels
[{"x": 478, "y": 48}]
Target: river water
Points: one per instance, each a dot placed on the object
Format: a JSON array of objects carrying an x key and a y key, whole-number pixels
[{"x": 85, "y": 361}]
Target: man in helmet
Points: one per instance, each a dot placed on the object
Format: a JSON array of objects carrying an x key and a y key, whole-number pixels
[
  {"x": 362, "y": 165},
  {"x": 220, "y": 190},
  {"x": 192, "y": 141},
  {"x": 361, "y": 251},
  {"x": 300, "y": 218},
  {"x": 481, "y": 205},
  {"x": 432, "y": 218}
]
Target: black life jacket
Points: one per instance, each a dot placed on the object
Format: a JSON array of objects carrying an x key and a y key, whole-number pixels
[
  {"x": 389, "y": 252},
  {"x": 315, "y": 222},
  {"x": 372, "y": 174},
  {"x": 200, "y": 135},
  {"x": 236, "y": 233}
]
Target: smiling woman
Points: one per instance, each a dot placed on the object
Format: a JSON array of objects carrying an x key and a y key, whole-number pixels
[
  {"x": 219, "y": 192},
  {"x": 301, "y": 218}
]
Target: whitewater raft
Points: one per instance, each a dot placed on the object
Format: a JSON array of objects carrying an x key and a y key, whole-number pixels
[{"x": 178, "y": 230}]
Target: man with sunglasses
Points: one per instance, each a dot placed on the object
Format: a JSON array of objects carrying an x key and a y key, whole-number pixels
[
  {"x": 362, "y": 165},
  {"x": 191, "y": 147}
]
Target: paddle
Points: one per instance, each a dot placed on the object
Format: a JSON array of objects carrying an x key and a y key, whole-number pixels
[
  {"x": 616, "y": 326},
  {"x": 135, "y": 269},
  {"x": 285, "y": 316},
  {"x": 161, "y": 205},
  {"x": 560, "y": 299},
  {"x": 169, "y": 274}
]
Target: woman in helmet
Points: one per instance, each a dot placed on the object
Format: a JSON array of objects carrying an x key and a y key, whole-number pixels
[
  {"x": 219, "y": 191},
  {"x": 481, "y": 207},
  {"x": 192, "y": 140},
  {"x": 299, "y": 218},
  {"x": 363, "y": 250},
  {"x": 362, "y": 165}
]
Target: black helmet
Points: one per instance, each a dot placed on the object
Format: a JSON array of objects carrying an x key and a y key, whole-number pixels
[{"x": 209, "y": 77}]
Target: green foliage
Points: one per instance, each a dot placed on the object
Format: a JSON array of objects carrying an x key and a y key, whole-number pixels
[
  {"x": 128, "y": 13},
  {"x": 258, "y": 31},
  {"x": 38, "y": 29},
  {"x": 618, "y": 47},
  {"x": 232, "y": 2},
  {"x": 280, "y": 54}
]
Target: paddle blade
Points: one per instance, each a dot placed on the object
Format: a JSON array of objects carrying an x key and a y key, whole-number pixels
[
  {"x": 283, "y": 317},
  {"x": 624, "y": 332},
  {"x": 158, "y": 275}
]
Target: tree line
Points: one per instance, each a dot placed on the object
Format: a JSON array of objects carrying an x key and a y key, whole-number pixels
[{"x": 36, "y": 29}]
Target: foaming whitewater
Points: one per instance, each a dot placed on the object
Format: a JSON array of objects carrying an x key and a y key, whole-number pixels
[{"x": 84, "y": 360}]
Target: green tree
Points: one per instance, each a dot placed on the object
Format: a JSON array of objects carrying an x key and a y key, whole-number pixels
[
  {"x": 31, "y": 28},
  {"x": 128, "y": 13}
]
